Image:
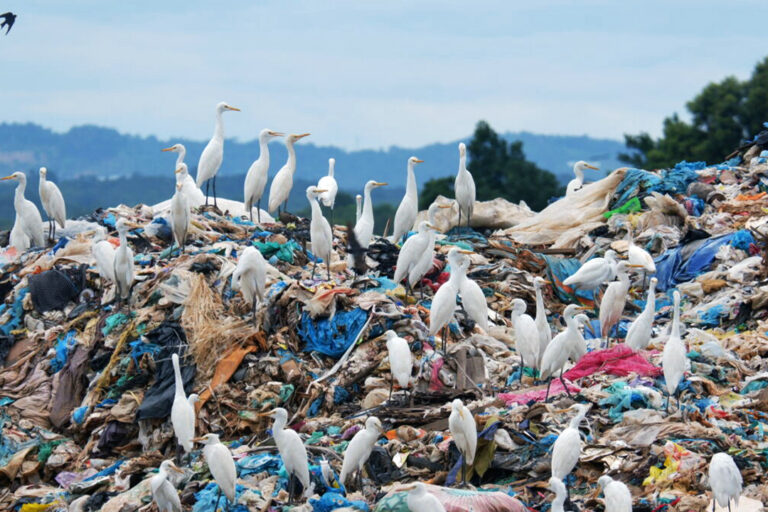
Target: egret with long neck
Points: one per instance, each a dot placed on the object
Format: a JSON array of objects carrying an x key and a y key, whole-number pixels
[
  {"x": 256, "y": 179},
  {"x": 464, "y": 186},
  {"x": 282, "y": 183},
  {"x": 292, "y": 451},
  {"x": 639, "y": 333},
  {"x": 673, "y": 358},
  {"x": 364, "y": 225},
  {"x": 31, "y": 221},
  {"x": 213, "y": 154},
  {"x": 320, "y": 231},
  {"x": 576, "y": 183},
  {"x": 182, "y": 411},
  {"x": 542, "y": 325},
  {"x": 408, "y": 209}
]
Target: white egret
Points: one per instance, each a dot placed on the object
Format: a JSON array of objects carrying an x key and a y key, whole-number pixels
[
  {"x": 526, "y": 336},
  {"x": 561, "y": 493},
  {"x": 409, "y": 206},
  {"x": 329, "y": 185},
  {"x": 194, "y": 195},
  {"x": 472, "y": 297},
  {"x": 426, "y": 260},
  {"x": 320, "y": 231},
  {"x": 124, "y": 271},
  {"x": 282, "y": 183},
  {"x": 360, "y": 448},
  {"x": 180, "y": 215},
  {"x": 358, "y": 207},
  {"x": 213, "y": 154},
  {"x": 163, "y": 491},
  {"x": 639, "y": 256},
  {"x": 444, "y": 302},
  {"x": 617, "y": 495},
  {"x": 542, "y": 325},
  {"x": 421, "y": 500},
  {"x": 104, "y": 254},
  {"x": 576, "y": 183},
  {"x": 411, "y": 253},
  {"x": 614, "y": 300},
  {"x": 182, "y": 411},
  {"x": 250, "y": 276},
  {"x": 673, "y": 357},
  {"x": 292, "y": 451},
  {"x": 463, "y": 428},
  {"x": 561, "y": 348},
  {"x": 400, "y": 360},
  {"x": 579, "y": 344},
  {"x": 18, "y": 238},
  {"x": 724, "y": 480},
  {"x": 256, "y": 179},
  {"x": 593, "y": 273},
  {"x": 53, "y": 203},
  {"x": 567, "y": 447},
  {"x": 639, "y": 332},
  {"x": 364, "y": 225},
  {"x": 30, "y": 221},
  {"x": 464, "y": 186},
  {"x": 221, "y": 465}
]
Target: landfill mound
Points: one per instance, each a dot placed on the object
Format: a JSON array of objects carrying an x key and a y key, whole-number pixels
[{"x": 87, "y": 381}]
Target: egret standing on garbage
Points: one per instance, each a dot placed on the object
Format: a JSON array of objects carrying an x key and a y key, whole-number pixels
[
  {"x": 526, "y": 336},
  {"x": 329, "y": 185},
  {"x": 282, "y": 183},
  {"x": 542, "y": 325},
  {"x": 163, "y": 491},
  {"x": 464, "y": 186},
  {"x": 409, "y": 206},
  {"x": 18, "y": 238},
  {"x": 463, "y": 428},
  {"x": 320, "y": 231},
  {"x": 53, "y": 203},
  {"x": 256, "y": 179},
  {"x": 640, "y": 257},
  {"x": 421, "y": 500},
  {"x": 360, "y": 448},
  {"x": 222, "y": 466},
  {"x": 561, "y": 493},
  {"x": 29, "y": 216},
  {"x": 182, "y": 411},
  {"x": 292, "y": 451},
  {"x": 614, "y": 300},
  {"x": 213, "y": 154},
  {"x": 104, "y": 254},
  {"x": 358, "y": 207},
  {"x": 400, "y": 361},
  {"x": 576, "y": 183},
  {"x": 180, "y": 215},
  {"x": 124, "y": 272},
  {"x": 673, "y": 358},
  {"x": 250, "y": 277},
  {"x": 593, "y": 273},
  {"x": 411, "y": 253},
  {"x": 444, "y": 302},
  {"x": 364, "y": 225},
  {"x": 639, "y": 332},
  {"x": 724, "y": 480},
  {"x": 194, "y": 195},
  {"x": 427, "y": 259},
  {"x": 560, "y": 348},
  {"x": 472, "y": 296},
  {"x": 617, "y": 495},
  {"x": 567, "y": 447}
]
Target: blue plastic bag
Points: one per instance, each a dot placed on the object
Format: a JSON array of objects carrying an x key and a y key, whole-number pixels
[{"x": 332, "y": 337}]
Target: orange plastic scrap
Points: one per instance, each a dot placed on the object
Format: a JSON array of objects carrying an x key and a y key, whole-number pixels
[
  {"x": 224, "y": 370},
  {"x": 754, "y": 197}
]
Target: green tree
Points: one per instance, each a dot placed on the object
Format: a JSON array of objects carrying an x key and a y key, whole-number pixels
[
  {"x": 723, "y": 114},
  {"x": 499, "y": 169}
]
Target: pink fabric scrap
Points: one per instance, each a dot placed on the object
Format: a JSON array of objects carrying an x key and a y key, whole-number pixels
[
  {"x": 619, "y": 360},
  {"x": 538, "y": 395}
]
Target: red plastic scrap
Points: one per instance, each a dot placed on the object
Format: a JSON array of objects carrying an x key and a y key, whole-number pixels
[{"x": 619, "y": 360}]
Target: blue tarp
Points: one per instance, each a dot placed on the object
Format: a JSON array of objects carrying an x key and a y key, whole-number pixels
[
  {"x": 63, "y": 345},
  {"x": 205, "y": 499},
  {"x": 331, "y": 501},
  {"x": 685, "y": 263},
  {"x": 258, "y": 463},
  {"x": 332, "y": 337},
  {"x": 640, "y": 183}
]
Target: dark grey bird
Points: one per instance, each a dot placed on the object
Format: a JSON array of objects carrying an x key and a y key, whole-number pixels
[{"x": 8, "y": 20}]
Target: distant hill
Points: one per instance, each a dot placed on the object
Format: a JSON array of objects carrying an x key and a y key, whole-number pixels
[{"x": 76, "y": 157}]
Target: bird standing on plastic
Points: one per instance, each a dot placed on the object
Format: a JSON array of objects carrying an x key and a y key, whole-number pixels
[
  {"x": 124, "y": 269},
  {"x": 411, "y": 253},
  {"x": 409, "y": 206},
  {"x": 542, "y": 325},
  {"x": 53, "y": 204},
  {"x": 400, "y": 360},
  {"x": 444, "y": 302},
  {"x": 250, "y": 277},
  {"x": 464, "y": 187},
  {"x": 526, "y": 336},
  {"x": 421, "y": 500},
  {"x": 8, "y": 20},
  {"x": 472, "y": 297},
  {"x": 163, "y": 491},
  {"x": 18, "y": 238},
  {"x": 182, "y": 411},
  {"x": 320, "y": 231},
  {"x": 222, "y": 466},
  {"x": 29, "y": 216},
  {"x": 673, "y": 358},
  {"x": 180, "y": 215},
  {"x": 330, "y": 187},
  {"x": 614, "y": 300},
  {"x": 463, "y": 428},
  {"x": 358, "y": 207},
  {"x": 292, "y": 451},
  {"x": 639, "y": 332},
  {"x": 195, "y": 196},
  {"x": 567, "y": 447},
  {"x": 576, "y": 183},
  {"x": 359, "y": 449},
  {"x": 617, "y": 495},
  {"x": 282, "y": 183},
  {"x": 256, "y": 179},
  {"x": 103, "y": 253},
  {"x": 213, "y": 154},
  {"x": 561, "y": 348},
  {"x": 724, "y": 480},
  {"x": 593, "y": 273}
]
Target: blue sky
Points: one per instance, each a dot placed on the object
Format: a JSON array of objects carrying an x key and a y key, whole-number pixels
[{"x": 369, "y": 74}]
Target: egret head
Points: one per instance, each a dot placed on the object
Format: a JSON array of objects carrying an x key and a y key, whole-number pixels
[
  {"x": 207, "y": 439},
  {"x": 18, "y": 176},
  {"x": 373, "y": 184},
  {"x": 581, "y": 165},
  {"x": 224, "y": 106},
  {"x": 538, "y": 282},
  {"x": 462, "y": 149},
  {"x": 358, "y": 199},
  {"x": 413, "y": 161},
  {"x": 122, "y": 226},
  {"x": 416, "y": 488},
  {"x": 294, "y": 137},
  {"x": 168, "y": 465},
  {"x": 193, "y": 398},
  {"x": 603, "y": 481},
  {"x": 266, "y": 134},
  {"x": 43, "y": 172},
  {"x": 373, "y": 424},
  {"x": 571, "y": 310},
  {"x": 390, "y": 334},
  {"x": 518, "y": 306},
  {"x": 432, "y": 212},
  {"x": 654, "y": 281},
  {"x": 278, "y": 414},
  {"x": 176, "y": 148},
  {"x": 458, "y": 406},
  {"x": 581, "y": 319},
  {"x": 331, "y": 165},
  {"x": 182, "y": 169},
  {"x": 610, "y": 255},
  {"x": 676, "y": 298}
]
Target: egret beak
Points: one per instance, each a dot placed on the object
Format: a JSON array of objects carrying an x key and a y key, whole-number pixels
[
  {"x": 378, "y": 183},
  {"x": 233, "y": 108},
  {"x": 301, "y": 136},
  {"x": 265, "y": 414},
  {"x": 547, "y": 282},
  {"x": 418, "y": 161},
  {"x": 430, "y": 226},
  {"x": 463, "y": 251},
  {"x": 276, "y": 134},
  {"x": 177, "y": 171},
  {"x": 583, "y": 307},
  {"x": 443, "y": 206},
  {"x": 198, "y": 439},
  {"x": 591, "y": 167},
  {"x": 176, "y": 469},
  {"x": 320, "y": 190},
  {"x": 461, "y": 414},
  {"x": 635, "y": 266},
  {"x": 7, "y": 178},
  {"x": 168, "y": 149},
  {"x": 408, "y": 488}
]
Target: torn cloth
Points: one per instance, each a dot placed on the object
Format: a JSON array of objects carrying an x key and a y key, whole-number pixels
[
  {"x": 538, "y": 395},
  {"x": 619, "y": 360}
]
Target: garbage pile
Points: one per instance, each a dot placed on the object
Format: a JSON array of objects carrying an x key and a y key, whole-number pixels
[{"x": 87, "y": 380}]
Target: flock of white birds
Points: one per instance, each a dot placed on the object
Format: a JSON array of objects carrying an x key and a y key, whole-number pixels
[{"x": 533, "y": 337}]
